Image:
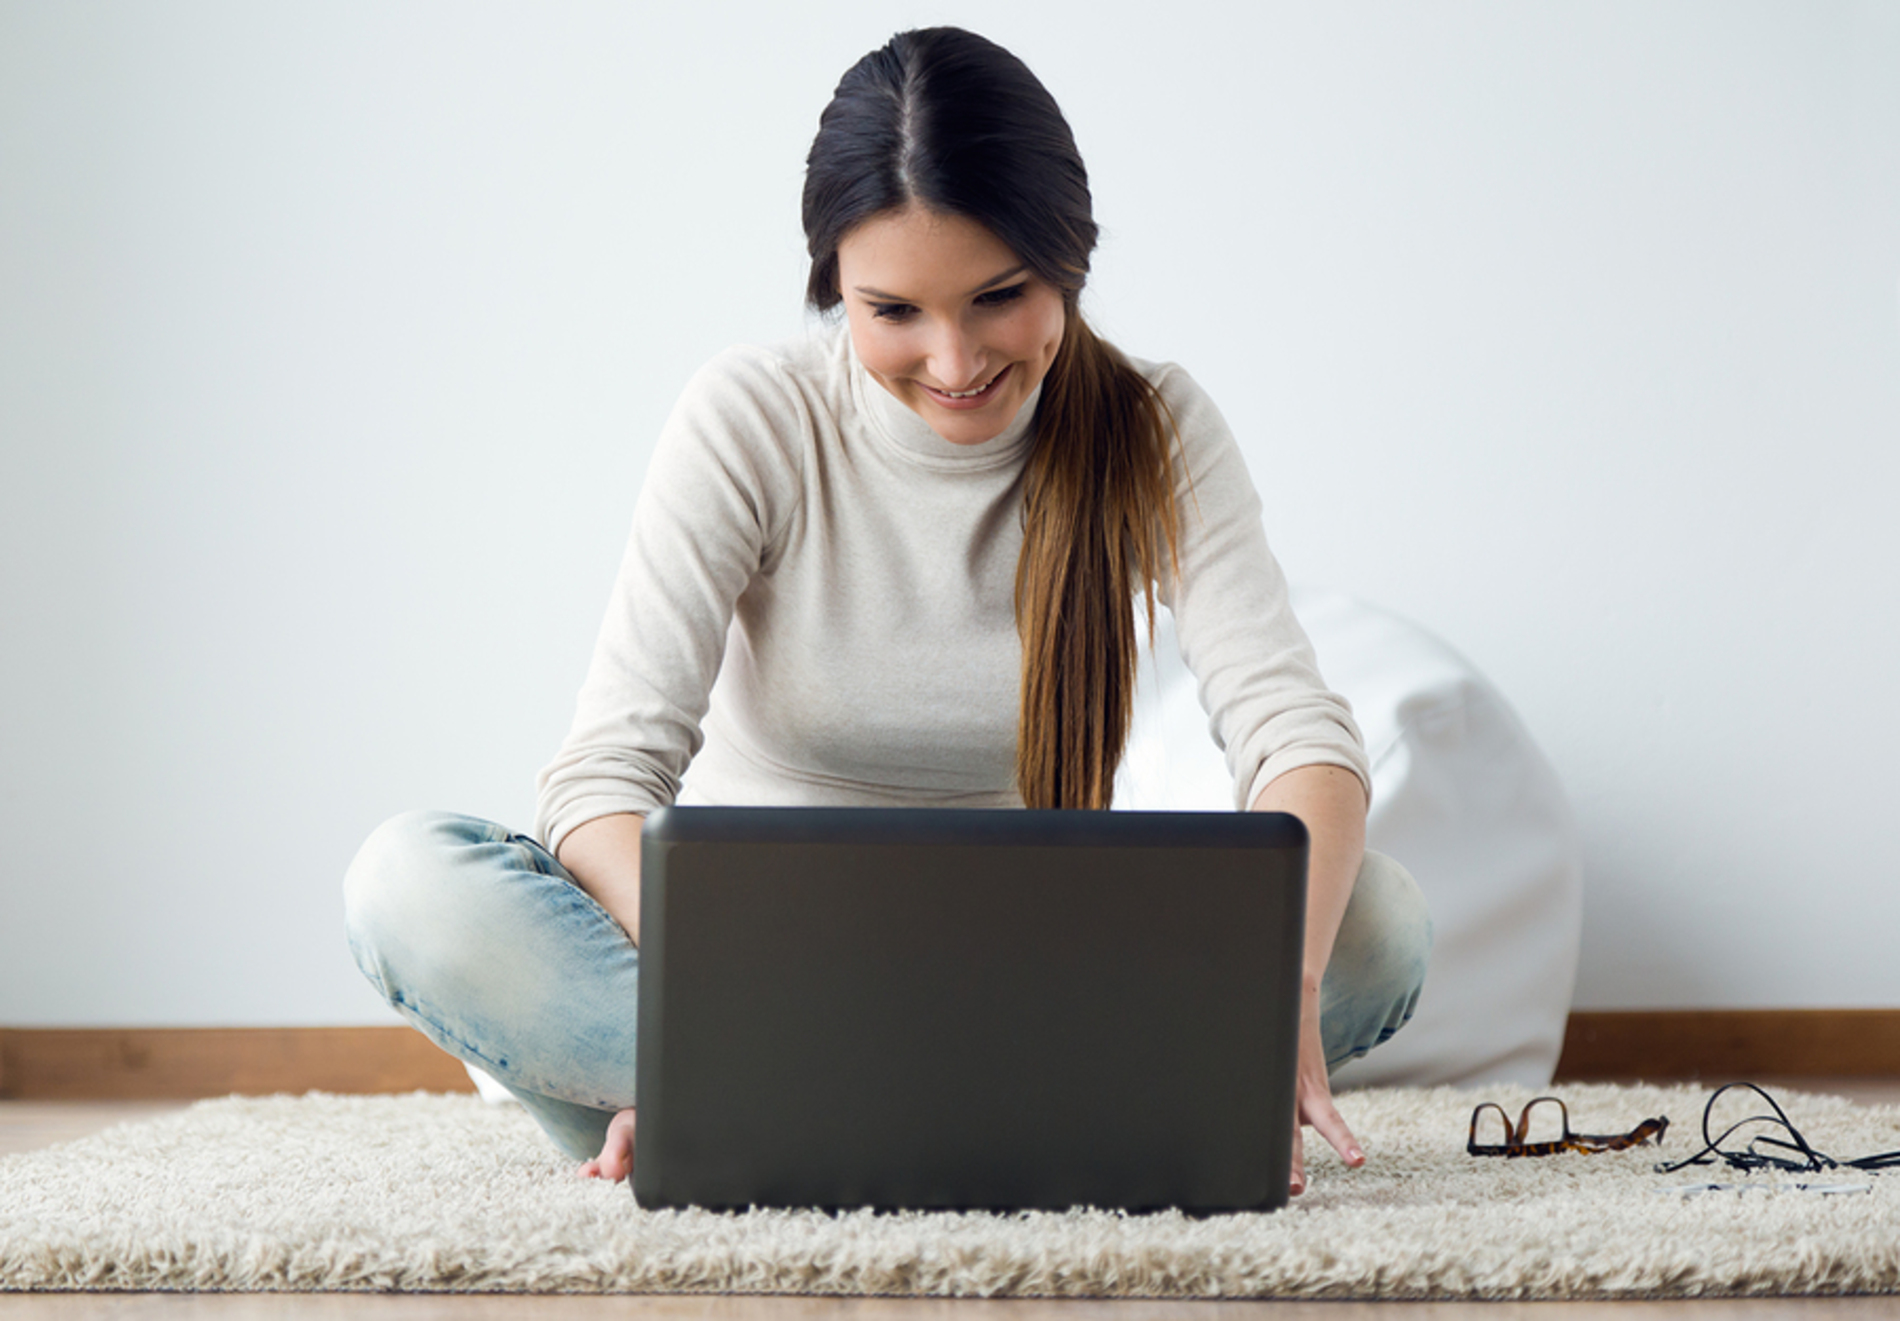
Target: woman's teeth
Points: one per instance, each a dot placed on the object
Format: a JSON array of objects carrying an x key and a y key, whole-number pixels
[{"x": 968, "y": 394}]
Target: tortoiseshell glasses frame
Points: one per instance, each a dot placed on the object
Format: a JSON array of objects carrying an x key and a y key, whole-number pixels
[{"x": 1515, "y": 1143}]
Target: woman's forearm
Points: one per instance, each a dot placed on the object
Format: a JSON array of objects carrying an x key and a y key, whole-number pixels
[
  {"x": 1331, "y": 802},
  {"x": 603, "y": 855}
]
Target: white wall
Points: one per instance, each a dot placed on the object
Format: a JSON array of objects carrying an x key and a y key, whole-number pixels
[{"x": 333, "y": 338}]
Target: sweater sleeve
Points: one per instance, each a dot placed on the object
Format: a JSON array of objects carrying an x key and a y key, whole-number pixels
[
  {"x": 1258, "y": 679},
  {"x": 718, "y": 490}
]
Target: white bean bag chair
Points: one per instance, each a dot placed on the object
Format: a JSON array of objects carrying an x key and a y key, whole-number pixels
[{"x": 1462, "y": 798}]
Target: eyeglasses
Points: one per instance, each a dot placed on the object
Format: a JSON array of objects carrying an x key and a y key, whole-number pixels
[{"x": 1515, "y": 1143}]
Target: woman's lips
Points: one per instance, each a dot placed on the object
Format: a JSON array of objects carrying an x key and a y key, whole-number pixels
[{"x": 967, "y": 401}]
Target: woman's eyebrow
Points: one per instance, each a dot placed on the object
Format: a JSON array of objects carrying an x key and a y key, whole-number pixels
[
  {"x": 1009, "y": 274},
  {"x": 990, "y": 283}
]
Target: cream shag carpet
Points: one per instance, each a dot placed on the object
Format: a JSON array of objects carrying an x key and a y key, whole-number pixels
[{"x": 442, "y": 1193}]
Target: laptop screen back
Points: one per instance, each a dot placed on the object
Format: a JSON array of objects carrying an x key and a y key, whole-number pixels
[{"x": 941, "y": 1008}]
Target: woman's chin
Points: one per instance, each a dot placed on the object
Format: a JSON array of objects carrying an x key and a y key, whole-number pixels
[{"x": 971, "y": 426}]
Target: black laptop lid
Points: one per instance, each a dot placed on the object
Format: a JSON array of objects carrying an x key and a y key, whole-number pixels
[{"x": 941, "y": 1008}]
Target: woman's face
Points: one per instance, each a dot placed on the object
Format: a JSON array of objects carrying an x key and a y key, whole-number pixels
[{"x": 948, "y": 319}]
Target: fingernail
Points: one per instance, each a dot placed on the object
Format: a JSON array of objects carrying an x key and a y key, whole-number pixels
[{"x": 1355, "y": 1154}]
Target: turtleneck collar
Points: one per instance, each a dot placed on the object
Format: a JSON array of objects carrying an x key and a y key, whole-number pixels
[{"x": 910, "y": 435}]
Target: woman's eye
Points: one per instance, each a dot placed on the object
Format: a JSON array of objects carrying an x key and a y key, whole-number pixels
[
  {"x": 892, "y": 311},
  {"x": 997, "y": 297}
]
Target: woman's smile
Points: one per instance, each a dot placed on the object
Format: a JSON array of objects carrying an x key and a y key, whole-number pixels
[{"x": 968, "y": 398}]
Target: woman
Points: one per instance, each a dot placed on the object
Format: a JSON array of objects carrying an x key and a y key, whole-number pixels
[{"x": 898, "y": 562}]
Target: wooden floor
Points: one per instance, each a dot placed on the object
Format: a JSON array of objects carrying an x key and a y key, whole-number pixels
[
  {"x": 30, "y": 1125},
  {"x": 493, "y": 1307}
]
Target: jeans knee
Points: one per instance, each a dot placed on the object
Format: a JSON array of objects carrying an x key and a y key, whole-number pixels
[
  {"x": 389, "y": 860},
  {"x": 1404, "y": 920},
  {"x": 394, "y": 883},
  {"x": 1380, "y": 957}
]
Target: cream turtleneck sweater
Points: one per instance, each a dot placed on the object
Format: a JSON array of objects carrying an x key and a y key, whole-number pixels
[{"x": 816, "y": 607}]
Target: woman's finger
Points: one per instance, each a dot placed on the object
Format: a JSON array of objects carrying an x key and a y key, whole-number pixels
[
  {"x": 1298, "y": 1181},
  {"x": 1326, "y": 1120}
]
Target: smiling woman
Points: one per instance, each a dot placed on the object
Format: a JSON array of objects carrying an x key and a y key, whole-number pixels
[
  {"x": 944, "y": 164},
  {"x": 901, "y": 561}
]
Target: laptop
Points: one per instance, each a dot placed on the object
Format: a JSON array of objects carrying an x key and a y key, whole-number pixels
[{"x": 943, "y": 1008}]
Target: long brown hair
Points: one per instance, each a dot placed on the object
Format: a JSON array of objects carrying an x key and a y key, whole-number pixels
[{"x": 943, "y": 117}]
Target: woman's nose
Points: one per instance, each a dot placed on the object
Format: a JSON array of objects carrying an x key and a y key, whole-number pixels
[{"x": 956, "y": 360}]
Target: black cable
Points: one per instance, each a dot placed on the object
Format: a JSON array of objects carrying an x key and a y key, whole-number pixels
[{"x": 1749, "y": 1159}]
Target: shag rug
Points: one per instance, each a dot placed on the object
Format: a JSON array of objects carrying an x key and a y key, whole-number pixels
[{"x": 445, "y": 1193}]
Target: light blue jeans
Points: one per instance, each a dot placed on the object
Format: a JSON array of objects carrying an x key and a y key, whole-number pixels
[{"x": 487, "y": 945}]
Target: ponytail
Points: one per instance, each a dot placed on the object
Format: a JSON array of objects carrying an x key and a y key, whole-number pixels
[{"x": 1098, "y": 505}]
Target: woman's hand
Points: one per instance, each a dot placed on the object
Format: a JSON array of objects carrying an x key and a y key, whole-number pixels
[{"x": 1313, "y": 1097}]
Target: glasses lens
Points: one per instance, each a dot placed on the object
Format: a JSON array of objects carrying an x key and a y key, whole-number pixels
[
  {"x": 1489, "y": 1127},
  {"x": 1543, "y": 1121}
]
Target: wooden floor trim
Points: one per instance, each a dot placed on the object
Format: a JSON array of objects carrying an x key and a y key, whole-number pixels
[
  {"x": 148, "y": 1063},
  {"x": 1731, "y": 1044},
  {"x": 184, "y": 1062}
]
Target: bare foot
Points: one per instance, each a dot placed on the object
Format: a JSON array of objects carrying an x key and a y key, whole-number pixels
[{"x": 615, "y": 1161}]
